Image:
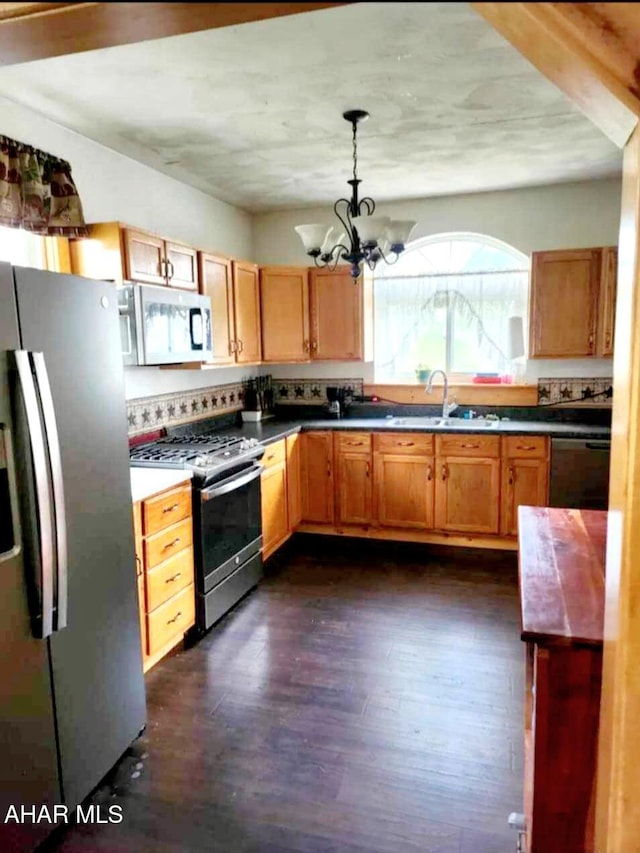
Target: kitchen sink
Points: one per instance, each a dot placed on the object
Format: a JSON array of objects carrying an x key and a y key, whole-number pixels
[{"x": 443, "y": 423}]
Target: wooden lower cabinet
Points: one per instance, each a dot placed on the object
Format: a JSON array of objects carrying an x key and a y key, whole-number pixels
[
  {"x": 525, "y": 477},
  {"x": 275, "y": 528},
  {"x": 163, "y": 528},
  {"x": 404, "y": 490},
  {"x": 354, "y": 483},
  {"x": 467, "y": 494},
  {"x": 293, "y": 447},
  {"x": 317, "y": 477}
]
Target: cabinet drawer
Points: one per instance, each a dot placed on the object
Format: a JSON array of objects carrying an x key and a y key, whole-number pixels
[
  {"x": 468, "y": 445},
  {"x": 172, "y": 618},
  {"x": 161, "y": 546},
  {"x": 525, "y": 446},
  {"x": 166, "y": 509},
  {"x": 274, "y": 454},
  {"x": 354, "y": 442},
  {"x": 403, "y": 443},
  {"x": 169, "y": 578}
]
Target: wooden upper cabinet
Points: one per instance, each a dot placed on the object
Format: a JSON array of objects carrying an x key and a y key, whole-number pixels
[
  {"x": 284, "y": 306},
  {"x": 181, "y": 266},
  {"x": 246, "y": 292},
  {"x": 119, "y": 253},
  {"x": 317, "y": 477},
  {"x": 144, "y": 257},
  {"x": 607, "y": 300},
  {"x": 564, "y": 303},
  {"x": 337, "y": 316},
  {"x": 217, "y": 283}
]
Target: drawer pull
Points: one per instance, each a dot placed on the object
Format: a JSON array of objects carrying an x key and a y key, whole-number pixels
[
  {"x": 354, "y": 443},
  {"x": 175, "y": 618},
  {"x": 174, "y": 577},
  {"x": 271, "y": 456},
  {"x": 171, "y": 508},
  {"x": 470, "y": 446},
  {"x": 405, "y": 443},
  {"x": 171, "y": 544},
  {"x": 525, "y": 447}
]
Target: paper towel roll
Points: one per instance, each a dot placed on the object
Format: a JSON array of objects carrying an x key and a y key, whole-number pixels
[{"x": 515, "y": 337}]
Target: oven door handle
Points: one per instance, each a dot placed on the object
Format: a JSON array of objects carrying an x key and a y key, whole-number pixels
[{"x": 231, "y": 484}]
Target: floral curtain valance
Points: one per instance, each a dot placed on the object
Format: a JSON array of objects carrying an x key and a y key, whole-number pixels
[{"x": 37, "y": 192}]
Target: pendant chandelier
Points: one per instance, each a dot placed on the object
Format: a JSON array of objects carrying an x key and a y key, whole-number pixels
[{"x": 361, "y": 236}]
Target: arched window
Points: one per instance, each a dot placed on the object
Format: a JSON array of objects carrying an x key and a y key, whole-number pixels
[{"x": 447, "y": 304}]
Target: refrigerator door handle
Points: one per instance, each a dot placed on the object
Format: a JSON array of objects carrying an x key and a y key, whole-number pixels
[
  {"x": 7, "y": 449},
  {"x": 44, "y": 620},
  {"x": 55, "y": 460}
]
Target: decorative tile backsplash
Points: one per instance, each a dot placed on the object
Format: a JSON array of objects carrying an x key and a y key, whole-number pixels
[
  {"x": 597, "y": 391},
  {"x": 310, "y": 391},
  {"x": 150, "y": 413}
]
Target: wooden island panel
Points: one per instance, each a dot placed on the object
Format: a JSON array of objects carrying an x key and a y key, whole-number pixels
[
  {"x": 561, "y": 567},
  {"x": 562, "y": 557}
]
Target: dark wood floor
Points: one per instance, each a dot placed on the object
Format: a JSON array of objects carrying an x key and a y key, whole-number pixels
[{"x": 367, "y": 697}]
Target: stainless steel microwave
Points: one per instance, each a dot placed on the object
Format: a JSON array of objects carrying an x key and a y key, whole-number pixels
[{"x": 164, "y": 325}]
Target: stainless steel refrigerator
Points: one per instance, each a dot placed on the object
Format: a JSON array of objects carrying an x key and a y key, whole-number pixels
[{"x": 72, "y": 693}]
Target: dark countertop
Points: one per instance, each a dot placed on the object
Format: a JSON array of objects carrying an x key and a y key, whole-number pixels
[
  {"x": 561, "y": 566},
  {"x": 273, "y": 430}
]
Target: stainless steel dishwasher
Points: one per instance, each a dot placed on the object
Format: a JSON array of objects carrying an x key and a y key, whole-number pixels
[{"x": 579, "y": 473}]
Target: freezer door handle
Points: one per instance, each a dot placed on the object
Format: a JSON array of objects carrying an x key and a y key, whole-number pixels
[
  {"x": 6, "y": 448},
  {"x": 44, "y": 620},
  {"x": 55, "y": 461}
]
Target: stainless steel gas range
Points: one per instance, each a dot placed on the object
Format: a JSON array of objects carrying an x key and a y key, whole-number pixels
[{"x": 227, "y": 532}]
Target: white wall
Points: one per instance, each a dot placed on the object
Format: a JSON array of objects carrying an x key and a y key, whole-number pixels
[
  {"x": 561, "y": 216},
  {"x": 114, "y": 187}
]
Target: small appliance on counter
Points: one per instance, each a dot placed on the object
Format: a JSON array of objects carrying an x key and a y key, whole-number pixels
[{"x": 338, "y": 400}]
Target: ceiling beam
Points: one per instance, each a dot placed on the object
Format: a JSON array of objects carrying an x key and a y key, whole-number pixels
[
  {"x": 31, "y": 31},
  {"x": 589, "y": 50}
]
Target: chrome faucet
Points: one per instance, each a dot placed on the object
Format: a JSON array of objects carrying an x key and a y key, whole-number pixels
[{"x": 447, "y": 407}]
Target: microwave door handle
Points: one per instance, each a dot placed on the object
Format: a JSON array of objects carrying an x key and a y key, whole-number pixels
[
  {"x": 192, "y": 314},
  {"x": 231, "y": 484},
  {"x": 44, "y": 620},
  {"x": 55, "y": 461}
]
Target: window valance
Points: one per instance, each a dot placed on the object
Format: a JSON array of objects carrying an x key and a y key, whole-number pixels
[{"x": 37, "y": 192}]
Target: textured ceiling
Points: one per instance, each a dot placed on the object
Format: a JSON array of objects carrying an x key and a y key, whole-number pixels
[{"x": 252, "y": 114}]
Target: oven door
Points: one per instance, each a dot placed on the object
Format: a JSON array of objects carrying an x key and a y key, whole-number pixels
[{"x": 228, "y": 526}]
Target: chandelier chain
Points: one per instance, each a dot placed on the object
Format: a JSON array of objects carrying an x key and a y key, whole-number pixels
[{"x": 355, "y": 152}]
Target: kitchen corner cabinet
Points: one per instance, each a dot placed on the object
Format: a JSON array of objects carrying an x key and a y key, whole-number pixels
[
  {"x": 525, "y": 477},
  {"x": 338, "y": 318},
  {"x": 284, "y": 307},
  {"x": 273, "y": 490},
  {"x": 354, "y": 480},
  {"x": 404, "y": 480},
  {"x": 115, "y": 251},
  {"x": 317, "y": 477},
  {"x": 246, "y": 312},
  {"x": 467, "y": 491},
  {"x": 572, "y": 303},
  {"x": 164, "y": 566}
]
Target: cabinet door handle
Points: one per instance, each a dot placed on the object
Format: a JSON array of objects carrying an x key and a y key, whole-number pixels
[
  {"x": 163, "y": 268},
  {"x": 171, "y": 508},
  {"x": 591, "y": 341},
  {"x": 306, "y": 345},
  {"x": 368, "y": 469},
  {"x": 138, "y": 566},
  {"x": 314, "y": 346},
  {"x": 239, "y": 345},
  {"x": 171, "y": 544},
  {"x": 328, "y": 469},
  {"x": 429, "y": 473},
  {"x": 174, "y": 577},
  {"x": 444, "y": 472},
  {"x": 233, "y": 346},
  {"x": 512, "y": 475},
  {"x": 607, "y": 340},
  {"x": 175, "y": 618},
  {"x": 169, "y": 269}
]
